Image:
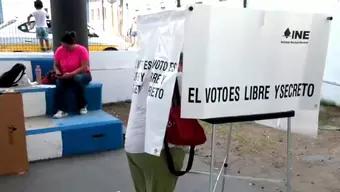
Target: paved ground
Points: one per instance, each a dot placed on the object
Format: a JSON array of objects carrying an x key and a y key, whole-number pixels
[{"x": 105, "y": 172}]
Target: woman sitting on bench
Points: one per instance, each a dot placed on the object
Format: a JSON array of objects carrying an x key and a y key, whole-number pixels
[{"x": 71, "y": 64}]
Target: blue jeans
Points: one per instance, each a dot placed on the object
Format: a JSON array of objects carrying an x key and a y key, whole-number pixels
[
  {"x": 42, "y": 33},
  {"x": 77, "y": 84}
]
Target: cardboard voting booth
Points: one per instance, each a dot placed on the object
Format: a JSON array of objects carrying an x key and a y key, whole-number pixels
[
  {"x": 248, "y": 65},
  {"x": 239, "y": 65},
  {"x": 13, "y": 152}
]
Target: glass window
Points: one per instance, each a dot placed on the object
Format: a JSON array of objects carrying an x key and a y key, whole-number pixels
[{"x": 23, "y": 27}]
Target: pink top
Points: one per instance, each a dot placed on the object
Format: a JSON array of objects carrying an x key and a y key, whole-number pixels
[{"x": 69, "y": 61}]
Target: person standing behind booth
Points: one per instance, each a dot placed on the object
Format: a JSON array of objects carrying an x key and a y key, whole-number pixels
[
  {"x": 71, "y": 64},
  {"x": 149, "y": 173},
  {"x": 40, "y": 17}
]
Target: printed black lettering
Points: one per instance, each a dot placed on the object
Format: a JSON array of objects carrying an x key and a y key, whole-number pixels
[
  {"x": 213, "y": 95},
  {"x": 282, "y": 91},
  {"x": 304, "y": 89},
  {"x": 231, "y": 93},
  {"x": 149, "y": 65},
  {"x": 165, "y": 66},
  {"x": 154, "y": 64},
  {"x": 295, "y": 90},
  {"x": 219, "y": 93},
  {"x": 306, "y": 35},
  {"x": 155, "y": 77},
  {"x": 276, "y": 90},
  {"x": 161, "y": 93},
  {"x": 297, "y": 34},
  {"x": 161, "y": 65},
  {"x": 197, "y": 100},
  {"x": 299, "y": 90},
  {"x": 267, "y": 92},
  {"x": 139, "y": 77},
  {"x": 207, "y": 95},
  {"x": 246, "y": 93},
  {"x": 225, "y": 94},
  {"x": 142, "y": 76},
  {"x": 261, "y": 92},
  {"x": 222, "y": 94},
  {"x": 156, "y": 92},
  {"x": 146, "y": 65},
  {"x": 286, "y": 91},
  {"x": 237, "y": 91},
  {"x": 172, "y": 67},
  {"x": 157, "y": 64},
  {"x": 191, "y": 95},
  {"x": 290, "y": 90},
  {"x": 255, "y": 94},
  {"x": 310, "y": 91}
]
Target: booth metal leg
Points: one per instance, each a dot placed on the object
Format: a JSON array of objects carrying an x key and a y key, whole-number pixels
[
  {"x": 226, "y": 165},
  {"x": 212, "y": 158},
  {"x": 289, "y": 155}
]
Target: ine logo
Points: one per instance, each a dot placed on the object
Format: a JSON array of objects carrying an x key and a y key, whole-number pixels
[
  {"x": 287, "y": 33},
  {"x": 296, "y": 36}
]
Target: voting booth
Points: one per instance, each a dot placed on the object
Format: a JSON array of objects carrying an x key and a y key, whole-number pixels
[
  {"x": 256, "y": 65},
  {"x": 239, "y": 65}
]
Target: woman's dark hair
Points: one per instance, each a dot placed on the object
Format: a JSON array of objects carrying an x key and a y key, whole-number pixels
[
  {"x": 69, "y": 37},
  {"x": 38, "y": 4}
]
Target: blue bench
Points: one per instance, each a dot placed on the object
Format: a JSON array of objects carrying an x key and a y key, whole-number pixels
[
  {"x": 93, "y": 94},
  {"x": 80, "y": 134},
  {"x": 77, "y": 134}
]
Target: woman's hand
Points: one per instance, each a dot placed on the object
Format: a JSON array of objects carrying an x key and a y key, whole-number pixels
[
  {"x": 58, "y": 73},
  {"x": 67, "y": 76}
]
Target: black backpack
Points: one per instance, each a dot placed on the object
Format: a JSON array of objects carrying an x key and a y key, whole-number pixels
[{"x": 11, "y": 77}]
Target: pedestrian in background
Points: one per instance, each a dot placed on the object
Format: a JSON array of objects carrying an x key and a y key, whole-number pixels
[{"x": 40, "y": 16}]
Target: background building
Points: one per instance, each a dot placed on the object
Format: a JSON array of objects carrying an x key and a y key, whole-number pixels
[{"x": 105, "y": 15}]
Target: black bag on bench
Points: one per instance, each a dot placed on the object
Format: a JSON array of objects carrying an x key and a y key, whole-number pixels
[{"x": 13, "y": 76}]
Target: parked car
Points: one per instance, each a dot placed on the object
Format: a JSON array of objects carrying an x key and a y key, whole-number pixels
[{"x": 16, "y": 36}]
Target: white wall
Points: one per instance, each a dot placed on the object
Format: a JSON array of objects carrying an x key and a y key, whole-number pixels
[{"x": 115, "y": 70}]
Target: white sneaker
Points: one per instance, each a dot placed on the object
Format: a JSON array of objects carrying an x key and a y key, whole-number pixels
[
  {"x": 83, "y": 111},
  {"x": 60, "y": 114}
]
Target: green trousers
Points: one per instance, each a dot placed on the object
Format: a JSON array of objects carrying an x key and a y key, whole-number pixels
[{"x": 151, "y": 174}]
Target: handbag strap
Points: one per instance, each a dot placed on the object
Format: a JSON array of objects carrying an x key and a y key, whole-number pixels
[
  {"x": 170, "y": 161},
  {"x": 176, "y": 101}
]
